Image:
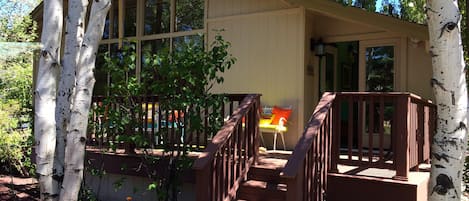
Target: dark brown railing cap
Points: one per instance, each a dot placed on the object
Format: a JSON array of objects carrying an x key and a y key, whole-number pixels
[{"x": 304, "y": 144}]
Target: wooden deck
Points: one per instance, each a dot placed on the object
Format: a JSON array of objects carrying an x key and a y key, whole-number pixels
[
  {"x": 356, "y": 146},
  {"x": 349, "y": 184}
]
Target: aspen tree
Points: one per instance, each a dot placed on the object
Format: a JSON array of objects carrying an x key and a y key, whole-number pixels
[
  {"x": 66, "y": 110},
  {"x": 450, "y": 90}
]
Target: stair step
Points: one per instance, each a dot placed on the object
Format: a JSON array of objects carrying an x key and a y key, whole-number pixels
[
  {"x": 261, "y": 173},
  {"x": 253, "y": 190},
  {"x": 272, "y": 163}
]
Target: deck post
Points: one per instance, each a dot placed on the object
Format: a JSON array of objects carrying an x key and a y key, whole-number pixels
[
  {"x": 295, "y": 187},
  {"x": 257, "y": 108},
  {"x": 203, "y": 188},
  {"x": 402, "y": 145},
  {"x": 336, "y": 134}
]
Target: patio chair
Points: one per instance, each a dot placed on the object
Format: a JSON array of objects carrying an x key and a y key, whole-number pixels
[{"x": 275, "y": 123}]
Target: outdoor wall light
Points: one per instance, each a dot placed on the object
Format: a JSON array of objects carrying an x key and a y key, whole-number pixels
[
  {"x": 319, "y": 50},
  {"x": 318, "y": 47}
]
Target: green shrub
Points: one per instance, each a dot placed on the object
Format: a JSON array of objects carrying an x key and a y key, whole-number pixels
[
  {"x": 14, "y": 141},
  {"x": 16, "y": 114}
]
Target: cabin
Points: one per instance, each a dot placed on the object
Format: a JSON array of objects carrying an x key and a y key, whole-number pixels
[{"x": 355, "y": 83}]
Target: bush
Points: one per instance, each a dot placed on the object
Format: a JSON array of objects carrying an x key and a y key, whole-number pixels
[
  {"x": 14, "y": 141},
  {"x": 16, "y": 114}
]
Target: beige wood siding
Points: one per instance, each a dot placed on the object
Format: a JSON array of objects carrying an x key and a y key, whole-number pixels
[
  {"x": 310, "y": 69},
  {"x": 218, "y": 8},
  {"x": 419, "y": 71},
  {"x": 270, "y": 60}
]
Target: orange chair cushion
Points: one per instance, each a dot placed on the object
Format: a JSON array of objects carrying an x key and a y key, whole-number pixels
[{"x": 280, "y": 113}]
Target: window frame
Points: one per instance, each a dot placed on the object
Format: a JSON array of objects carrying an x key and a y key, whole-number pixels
[
  {"x": 398, "y": 64},
  {"x": 140, "y": 36}
]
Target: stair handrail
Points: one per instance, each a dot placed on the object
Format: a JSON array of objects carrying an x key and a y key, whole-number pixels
[
  {"x": 202, "y": 165},
  {"x": 293, "y": 168}
]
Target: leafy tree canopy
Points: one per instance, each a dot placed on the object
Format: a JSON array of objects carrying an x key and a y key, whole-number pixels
[{"x": 17, "y": 30}]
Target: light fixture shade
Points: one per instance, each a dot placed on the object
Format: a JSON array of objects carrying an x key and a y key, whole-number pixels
[{"x": 319, "y": 48}]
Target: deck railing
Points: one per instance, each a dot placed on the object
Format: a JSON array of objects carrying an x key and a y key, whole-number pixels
[
  {"x": 150, "y": 123},
  {"x": 382, "y": 130},
  {"x": 379, "y": 130},
  {"x": 227, "y": 159},
  {"x": 306, "y": 170}
]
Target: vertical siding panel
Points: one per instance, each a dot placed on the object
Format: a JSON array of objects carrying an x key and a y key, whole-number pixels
[
  {"x": 267, "y": 50},
  {"x": 236, "y": 8},
  {"x": 220, "y": 8}
]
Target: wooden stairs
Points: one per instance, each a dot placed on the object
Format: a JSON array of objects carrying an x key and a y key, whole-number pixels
[{"x": 264, "y": 181}]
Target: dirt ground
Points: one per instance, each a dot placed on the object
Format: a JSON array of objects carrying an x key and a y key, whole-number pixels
[
  {"x": 26, "y": 189},
  {"x": 18, "y": 189}
]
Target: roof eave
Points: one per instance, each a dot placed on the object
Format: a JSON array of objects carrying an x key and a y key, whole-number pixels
[{"x": 360, "y": 16}]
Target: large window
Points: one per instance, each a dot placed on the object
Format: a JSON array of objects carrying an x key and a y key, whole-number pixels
[
  {"x": 379, "y": 72},
  {"x": 379, "y": 65},
  {"x": 153, "y": 26},
  {"x": 379, "y": 68},
  {"x": 157, "y": 16}
]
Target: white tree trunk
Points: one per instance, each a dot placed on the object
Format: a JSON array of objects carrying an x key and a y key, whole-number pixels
[
  {"x": 449, "y": 86},
  {"x": 75, "y": 25},
  {"x": 76, "y": 134},
  {"x": 45, "y": 94}
]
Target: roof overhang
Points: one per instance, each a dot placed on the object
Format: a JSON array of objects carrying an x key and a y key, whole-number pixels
[{"x": 357, "y": 15}]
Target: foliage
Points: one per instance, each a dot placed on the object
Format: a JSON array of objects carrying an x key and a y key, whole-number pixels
[
  {"x": 86, "y": 194},
  {"x": 16, "y": 89},
  {"x": 379, "y": 67},
  {"x": 413, "y": 11},
  {"x": 20, "y": 29},
  {"x": 182, "y": 80},
  {"x": 184, "y": 77},
  {"x": 16, "y": 113},
  {"x": 13, "y": 141},
  {"x": 410, "y": 10},
  {"x": 124, "y": 89}
]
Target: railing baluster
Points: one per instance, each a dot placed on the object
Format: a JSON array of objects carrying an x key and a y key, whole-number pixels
[
  {"x": 335, "y": 145},
  {"x": 237, "y": 144},
  {"x": 360, "y": 128},
  {"x": 371, "y": 127},
  {"x": 350, "y": 127},
  {"x": 381, "y": 130}
]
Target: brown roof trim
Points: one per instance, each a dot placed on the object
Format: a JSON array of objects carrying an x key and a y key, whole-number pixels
[{"x": 36, "y": 14}]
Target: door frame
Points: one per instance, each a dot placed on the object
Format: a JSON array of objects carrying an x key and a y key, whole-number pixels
[{"x": 328, "y": 49}]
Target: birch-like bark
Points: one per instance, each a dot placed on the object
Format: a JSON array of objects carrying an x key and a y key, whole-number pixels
[
  {"x": 45, "y": 96},
  {"x": 75, "y": 23},
  {"x": 449, "y": 87},
  {"x": 76, "y": 133}
]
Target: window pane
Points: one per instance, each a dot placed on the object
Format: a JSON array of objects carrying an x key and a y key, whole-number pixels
[
  {"x": 149, "y": 49},
  {"x": 189, "y": 15},
  {"x": 157, "y": 16},
  {"x": 124, "y": 61},
  {"x": 100, "y": 72},
  {"x": 179, "y": 42},
  {"x": 114, "y": 19},
  {"x": 380, "y": 69},
  {"x": 130, "y": 20},
  {"x": 106, "y": 28}
]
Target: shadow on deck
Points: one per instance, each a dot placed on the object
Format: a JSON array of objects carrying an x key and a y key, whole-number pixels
[{"x": 351, "y": 183}]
